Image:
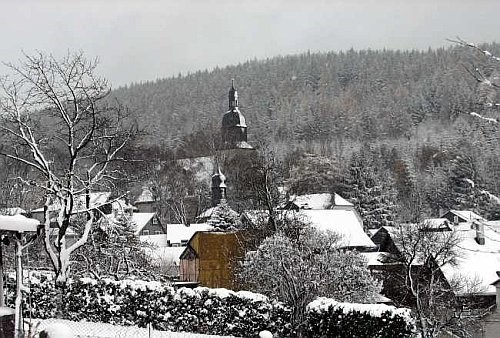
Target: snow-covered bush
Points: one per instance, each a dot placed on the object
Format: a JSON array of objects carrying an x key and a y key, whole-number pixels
[
  {"x": 328, "y": 318},
  {"x": 127, "y": 302},
  {"x": 204, "y": 310}
]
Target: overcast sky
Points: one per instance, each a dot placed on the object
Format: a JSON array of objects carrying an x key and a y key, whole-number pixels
[{"x": 149, "y": 39}]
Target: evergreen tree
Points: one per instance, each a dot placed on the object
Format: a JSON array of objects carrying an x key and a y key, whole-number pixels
[
  {"x": 463, "y": 184},
  {"x": 371, "y": 199}
]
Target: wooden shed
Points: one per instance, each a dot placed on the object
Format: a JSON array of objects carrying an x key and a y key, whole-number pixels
[{"x": 210, "y": 258}]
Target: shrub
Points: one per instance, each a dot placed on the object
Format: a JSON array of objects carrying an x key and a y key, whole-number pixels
[
  {"x": 328, "y": 318},
  {"x": 203, "y": 310}
]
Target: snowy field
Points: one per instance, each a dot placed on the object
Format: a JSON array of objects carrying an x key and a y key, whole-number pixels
[{"x": 101, "y": 330}]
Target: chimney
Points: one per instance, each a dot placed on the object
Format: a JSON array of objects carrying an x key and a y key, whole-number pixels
[{"x": 479, "y": 232}]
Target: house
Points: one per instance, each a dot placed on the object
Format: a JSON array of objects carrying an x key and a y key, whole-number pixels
[
  {"x": 325, "y": 212},
  {"x": 322, "y": 201},
  {"x": 477, "y": 260},
  {"x": 462, "y": 216},
  {"x": 167, "y": 247},
  {"x": 210, "y": 258},
  {"x": 490, "y": 324}
]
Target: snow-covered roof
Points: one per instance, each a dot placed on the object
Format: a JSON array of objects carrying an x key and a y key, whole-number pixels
[
  {"x": 468, "y": 215},
  {"x": 157, "y": 240},
  {"x": 319, "y": 201},
  {"x": 206, "y": 214},
  {"x": 375, "y": 258},
  {"x": 96, "y": 200},
  {"x": 256, "y": 217},
  {"x": 343, "y": 222},
  {"x": 476, "y": 263},
  {"x": 176, "y": 233},
  {"x": 18, "y": 223},
  {"x": 436, "y": 223},
  {"x": 146, "y": 196},
  {"x": 163, "y": 253},
  {"x": 12, "y": 211},
  {"x": 140, "y": 219}
]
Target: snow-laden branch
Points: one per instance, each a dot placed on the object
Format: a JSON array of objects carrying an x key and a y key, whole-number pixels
[
  {"x": 464, "y": 43},
  {"x": 487, "y": 119}
]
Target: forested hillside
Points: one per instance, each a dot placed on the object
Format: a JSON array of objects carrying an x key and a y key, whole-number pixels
[
  {"x": 316, "y": 97},
  {"x": 404, "y": 115}
]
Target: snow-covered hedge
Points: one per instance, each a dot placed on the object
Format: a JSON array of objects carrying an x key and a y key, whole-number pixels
[
  {"x": 213, "y": 311},
  {"x": 200, "y": 310},
  {"x": 328, "y": 318}
]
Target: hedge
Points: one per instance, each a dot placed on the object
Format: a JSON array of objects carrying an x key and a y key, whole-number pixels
[
  {"x": 328, "y": 318},
  {"x": 210, "y": 311}
]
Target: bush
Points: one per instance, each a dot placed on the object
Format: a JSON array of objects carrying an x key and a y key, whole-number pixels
[
  {"x": 203, "y": 310},
  {"x": 327, "y": 318}
]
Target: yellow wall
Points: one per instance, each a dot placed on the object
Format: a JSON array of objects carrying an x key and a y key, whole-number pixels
[{"x": 218, "y": 253}]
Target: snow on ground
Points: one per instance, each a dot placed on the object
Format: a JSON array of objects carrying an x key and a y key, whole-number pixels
[{"x": 102, "y": 330}]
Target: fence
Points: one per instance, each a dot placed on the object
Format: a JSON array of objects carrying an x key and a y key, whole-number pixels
[{"x": 102, "y": 330}]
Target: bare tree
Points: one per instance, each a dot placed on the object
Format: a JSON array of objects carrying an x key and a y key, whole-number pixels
[
  {"x": 56, "y": 122},
  {"x": 113, "y": 251},
  {"x": 420, "y": 282}
]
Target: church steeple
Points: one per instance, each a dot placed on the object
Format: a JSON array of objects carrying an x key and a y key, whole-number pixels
[
  {"x": 218, "y": 187},
  {"x": 233, "y": 96},
  {"x": 234, "y": 127}
]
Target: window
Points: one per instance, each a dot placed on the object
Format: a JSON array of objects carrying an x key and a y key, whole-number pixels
[
  {"x": 145, "y": 232},
  {"x": 184, "y": 242},
  {"x": 155, "y": 220},
  {"x": 157, "y": 232}
]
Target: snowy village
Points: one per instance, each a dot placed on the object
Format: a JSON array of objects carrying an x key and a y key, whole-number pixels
[{"x": 301, "y": 176}]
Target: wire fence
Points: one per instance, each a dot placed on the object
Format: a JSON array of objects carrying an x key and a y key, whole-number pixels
[{"x": 102, "y": 330}]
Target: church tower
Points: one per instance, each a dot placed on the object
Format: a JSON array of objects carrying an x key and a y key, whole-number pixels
[{"x": 234, "y": 128}]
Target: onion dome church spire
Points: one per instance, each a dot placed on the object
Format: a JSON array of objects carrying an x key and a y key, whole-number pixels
[
  {"x": 218, "y": 187},
  {"x": 234, "y": 128}
]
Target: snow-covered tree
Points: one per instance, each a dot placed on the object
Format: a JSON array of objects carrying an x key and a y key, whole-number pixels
[
  {"x": 54, "y": 120},
  {"x": 462, "y": 183},
  {"x": 420, "y": 283},
  {"x": 296, "y": 271},
  {"x": 113, "y": 251},
  {"x": 372, "y": 199},
  {"x": 311, "y": 173},
  {"x": 224, "y": 218}
]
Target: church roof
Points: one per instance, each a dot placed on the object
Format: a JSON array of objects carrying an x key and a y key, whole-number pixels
[{"x": 233, "y": 118}]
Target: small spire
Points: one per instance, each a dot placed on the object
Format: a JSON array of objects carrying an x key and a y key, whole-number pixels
[
  {"x": 233, "y": 96},
  {"x": 218, "y": 186}
]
